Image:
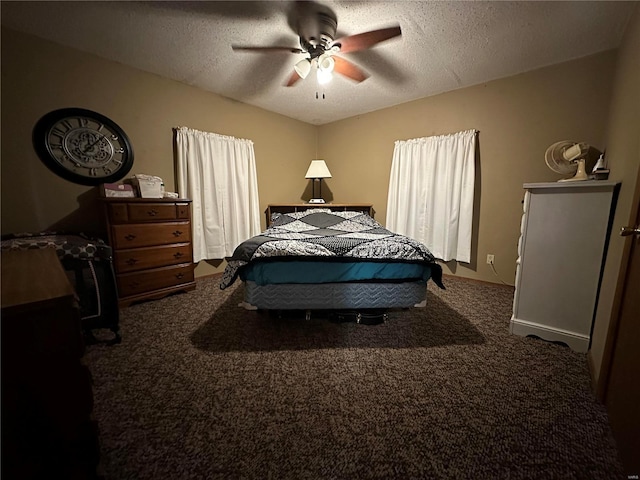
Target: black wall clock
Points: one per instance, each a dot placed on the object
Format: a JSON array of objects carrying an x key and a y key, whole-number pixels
[{"x": 82, "y": 146}]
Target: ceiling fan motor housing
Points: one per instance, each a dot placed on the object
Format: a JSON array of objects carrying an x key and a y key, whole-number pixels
[
  {"x": 318, "y": 29},
  {"x": 327, "y": 26}
]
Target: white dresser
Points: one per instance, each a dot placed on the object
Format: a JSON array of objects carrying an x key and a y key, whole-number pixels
[{"x": 561, "y": 252}]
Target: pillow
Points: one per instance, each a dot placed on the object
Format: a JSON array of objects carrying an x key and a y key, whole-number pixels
[{"x": 279, "y": 219}]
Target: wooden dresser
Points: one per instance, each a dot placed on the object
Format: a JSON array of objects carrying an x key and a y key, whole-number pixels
[
  {"x": 152, "y": 250},
  {"x": 300, "y": 207}
]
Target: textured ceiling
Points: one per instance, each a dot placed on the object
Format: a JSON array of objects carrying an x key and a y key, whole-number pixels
[{"x": 444, "y": 45}]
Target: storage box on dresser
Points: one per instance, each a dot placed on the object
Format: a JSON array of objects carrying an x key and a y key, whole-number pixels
[
  {"x": 152, "y": 249},
  {"x": 563, "y": 241}
]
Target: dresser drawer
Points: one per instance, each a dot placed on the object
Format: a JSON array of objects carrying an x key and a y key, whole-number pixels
[
  {"x": 140, "y": 235},
  {"x": 157, "y": 278},
  {"x": 147, "y": 212},
  {"x": 131, "y": 260}
]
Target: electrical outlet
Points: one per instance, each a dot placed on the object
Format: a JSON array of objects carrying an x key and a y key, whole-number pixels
[{"x": 490, "y": 259}]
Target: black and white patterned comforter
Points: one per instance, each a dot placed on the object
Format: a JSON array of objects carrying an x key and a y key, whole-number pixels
[{"x": 321, "y": 233}]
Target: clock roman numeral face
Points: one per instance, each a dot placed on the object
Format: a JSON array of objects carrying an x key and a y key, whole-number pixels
[{"x": 83, "y": 146}]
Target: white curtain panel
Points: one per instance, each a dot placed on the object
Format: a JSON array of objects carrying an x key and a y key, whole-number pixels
[
  {"x": 218, "y": 173},
  {"x": 431, "y": 193}
]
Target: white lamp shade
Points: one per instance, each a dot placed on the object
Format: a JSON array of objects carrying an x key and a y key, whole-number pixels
[
  {"x": 318, "y": 169},
  {"x": 302, "y": 68}
]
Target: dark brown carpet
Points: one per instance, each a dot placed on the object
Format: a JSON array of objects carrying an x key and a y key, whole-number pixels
[{"x": 202, "y": 389}]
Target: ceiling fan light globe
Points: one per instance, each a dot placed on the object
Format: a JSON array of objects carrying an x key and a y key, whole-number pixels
[
  {"x": 326, "y": 62},
  {"x": 302, "y": 68},
  {"x": 324, "y": 76}
]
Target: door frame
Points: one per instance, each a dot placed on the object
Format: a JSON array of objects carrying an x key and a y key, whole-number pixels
[{"x": 616, "y": 309}]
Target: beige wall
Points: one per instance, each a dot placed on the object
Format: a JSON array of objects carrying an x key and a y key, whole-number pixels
[
  {"x": 517, "y": 117},
  {"x": 40, "y": 76},
  {"x": 623, "y": 154}
]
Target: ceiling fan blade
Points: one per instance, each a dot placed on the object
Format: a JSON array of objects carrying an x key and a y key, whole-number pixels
[
  {"x": 266, "y": 49},
  {"x": 362, "y": 41},
  {"x": 348, "y": 69},
  {"x": 292, "y": 79}
]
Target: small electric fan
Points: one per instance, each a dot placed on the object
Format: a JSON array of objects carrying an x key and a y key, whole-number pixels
[{"x": 568, "y": 158}]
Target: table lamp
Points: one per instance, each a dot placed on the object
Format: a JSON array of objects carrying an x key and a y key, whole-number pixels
[{"x": 317, "y": 171}]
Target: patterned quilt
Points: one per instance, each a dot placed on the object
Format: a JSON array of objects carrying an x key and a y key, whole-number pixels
[{"x": 321, "y": 233}]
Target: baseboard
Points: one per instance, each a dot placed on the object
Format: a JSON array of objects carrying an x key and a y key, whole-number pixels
[
  {"x": 476, "y": 280},
  {"x": 576, "y": 341}
]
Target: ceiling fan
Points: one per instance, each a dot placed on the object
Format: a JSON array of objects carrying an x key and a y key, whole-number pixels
[{"x": 316, "y": 27}]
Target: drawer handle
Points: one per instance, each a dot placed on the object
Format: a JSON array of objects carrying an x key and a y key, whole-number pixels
[
  {"x": 132, "y": 261},
  {"x": 177, "y": 233},
  {"x": 133, "y": 284},
  {"x": 178, "y": 254},
  {"x": 152, "y": 212},
  {"x": 179, "y": 276},
  {"x": 131, "y": 236}
]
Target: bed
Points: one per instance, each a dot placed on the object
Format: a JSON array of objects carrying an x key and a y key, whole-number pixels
[{"x": 320, "y": 259}]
